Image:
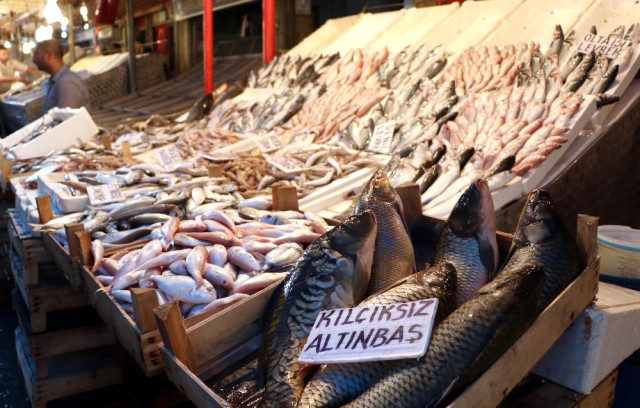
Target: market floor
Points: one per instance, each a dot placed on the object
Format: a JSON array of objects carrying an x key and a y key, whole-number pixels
[
  {"x": 139, "y": 391},
  {"x": 12, "y": 391}
]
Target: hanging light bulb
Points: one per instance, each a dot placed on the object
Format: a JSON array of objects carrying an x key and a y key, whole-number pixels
[
  {"x": 7, "y": 44},
  {"x": 84, "y": 12},
  {"x": 44, "y": 33},
  {"x": 51, "y": 12}
]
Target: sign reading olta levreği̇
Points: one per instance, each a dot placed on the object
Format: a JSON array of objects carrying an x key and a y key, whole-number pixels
[{"x": 370, "y": 333}]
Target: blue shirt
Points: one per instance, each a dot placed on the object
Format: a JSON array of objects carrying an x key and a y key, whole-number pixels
[{"x": 66, "y": 90}]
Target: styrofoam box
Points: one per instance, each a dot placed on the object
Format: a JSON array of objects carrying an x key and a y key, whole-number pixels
[
  {"x": 77, "y": 126},
  {"x": 48, "y": 184},
  {"x": 600, "y": 339}
]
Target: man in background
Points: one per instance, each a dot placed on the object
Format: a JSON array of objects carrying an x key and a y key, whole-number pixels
[
  {"x": 65, "y": 88},
  {"x": 9, "y": 68}
]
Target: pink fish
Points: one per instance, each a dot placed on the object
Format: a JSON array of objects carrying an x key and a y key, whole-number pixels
[{"x": 196, "y": 260}]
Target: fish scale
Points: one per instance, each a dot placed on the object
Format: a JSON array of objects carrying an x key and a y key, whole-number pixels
[
  {"x": 336, "y": 384},
  {"x": 465, "y": 344},
  {"x": 468, "y": 240},
  {"x": 394, "y": 257},
  {"x": 333, "y": 272},
  {"x": 541, "y": 238}
]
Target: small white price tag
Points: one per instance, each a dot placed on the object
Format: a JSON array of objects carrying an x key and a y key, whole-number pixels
[
  {"x": 169, "y": 156},
  {"x": 104, "y": 194},
  {"x": 382, "y": 137},
  {"x": 609, "y": 47},
  {"x": 287, "y": 164},
  {"x": 370, "y": 333},
  {"x": 133, "y": 139},
  {"x": 269, "y": 143}
]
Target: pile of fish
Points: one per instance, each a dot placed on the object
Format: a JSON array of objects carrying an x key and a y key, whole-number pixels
[
  {"x": 588, "y": 73},
  {"x": 210, "y": 261},
  {"x": 484, "y": 307},
  {"x": 193, "y": 142},
  {"x": 286, "y": 71},
  {"x": 90, "y": 156},
  {"x": 156, "y": 131},
  {"x": 486, "y": 68},
  {"x": 496, "y": 135}
]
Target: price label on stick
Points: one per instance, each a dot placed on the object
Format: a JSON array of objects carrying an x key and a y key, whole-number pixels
[
  {"x": 269, "y": 143},
  {"x": 169, "y": 156},
  {"x": 382, "y": 137},
  {"x": 609, "y": 47},
  {"x": 104, "y": 194},
  {"x": 370, "y": 333}
]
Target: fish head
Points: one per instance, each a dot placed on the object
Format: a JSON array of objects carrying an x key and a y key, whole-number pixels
[
  {"x": 473, "y": 210},
  {"x": 474, "y": 216},
  {"x": 441, "y": 276},
  {"x": 355, "y": 238},
  {"x": 539, "y": 220},
  {"x": 378, "y": 188}
]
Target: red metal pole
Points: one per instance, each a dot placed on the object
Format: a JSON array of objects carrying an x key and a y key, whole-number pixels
[
  {"x": 208, "y": 46},
  {"x": 268, "y": 31}
]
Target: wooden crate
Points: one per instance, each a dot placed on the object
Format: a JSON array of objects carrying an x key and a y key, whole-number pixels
[
  {"x": 140, "y": 335},
  {"x": 68, "y": 264},
  {"x": 68, "y": 331},
  {"x": 140, "y": 338},
  {"x": 85, "y": 371},
  {"x": 537, "y": 393},
  {"x": 51, "y": 294},
  {"x": 28, "y": 246},
  {"x": 193, "y": 355}
]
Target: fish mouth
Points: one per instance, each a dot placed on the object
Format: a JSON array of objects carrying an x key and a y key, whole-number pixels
[
  {"x": 473, "y": 211},
  {"x": 380, "y": 187},
  {"x": 538, "y": 221}
]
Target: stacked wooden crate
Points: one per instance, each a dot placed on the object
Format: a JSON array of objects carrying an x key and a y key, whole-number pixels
[{"x": 63, "y": 347}]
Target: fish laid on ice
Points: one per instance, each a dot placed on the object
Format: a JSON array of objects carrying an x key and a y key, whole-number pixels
[{"x": 333, "y": 272}]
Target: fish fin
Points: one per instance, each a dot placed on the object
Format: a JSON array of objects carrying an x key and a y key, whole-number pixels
[
  {"x": 307, "y": 371},
  {"x": 445, "y": 397},
  {"x": 488, "y": 254}
]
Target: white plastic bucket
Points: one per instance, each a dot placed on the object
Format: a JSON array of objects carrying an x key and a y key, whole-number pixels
[{"x": 619, "y": 250}]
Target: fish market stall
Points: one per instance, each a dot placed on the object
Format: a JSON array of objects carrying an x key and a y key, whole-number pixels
[
  {"x": 357, "y": 149},
  {"x": 203, "y": 362}
]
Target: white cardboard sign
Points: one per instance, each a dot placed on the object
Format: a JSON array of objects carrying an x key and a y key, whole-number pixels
[
  {"x": 382, "y": 137},
  {"x": 269, "y": 143},
  {"x": 287, "y": 164},
  {"x": 370, "y": 333},
  {"x": 104, "y": 194},
  {"x": 169, "y": 156},
  {"x": 610, "y": 47}
]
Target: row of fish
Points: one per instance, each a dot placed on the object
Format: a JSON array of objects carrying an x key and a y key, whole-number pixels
[
  {"x": 586, "y": 72},
  {"x": 211, "y": 261},
  {"x": 485, "y": 307}
]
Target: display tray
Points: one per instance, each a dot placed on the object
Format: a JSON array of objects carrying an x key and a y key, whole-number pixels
[
  {"x": 193, "y": 355},
  {"x": 422, "y": 22},
  {"x": 470, "y": 24},
  {"x": 533, "y": 178},
  {"x": 139, "y": 336},
  {"x": 536, "y": 20},
  {"x": 87, "y": 370},
  {"x": 51, "y": 293},
  {"x": 48, "y": 184}
]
